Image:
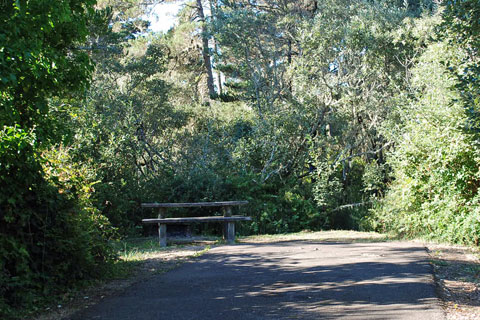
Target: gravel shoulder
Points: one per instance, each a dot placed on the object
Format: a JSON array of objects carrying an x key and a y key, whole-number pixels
[{"x": 457, "y": 276}]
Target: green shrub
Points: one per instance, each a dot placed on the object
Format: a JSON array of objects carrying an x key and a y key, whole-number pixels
[
  {"x": 435, "y": 165},
  {"x": 49, "y": 237}
]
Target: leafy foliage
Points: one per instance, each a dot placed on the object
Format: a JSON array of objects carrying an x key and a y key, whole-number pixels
[
  {"x": 49, "y": 238},
  {"x": 435, "y": 164},
  {"x": 463, "y": 30}
]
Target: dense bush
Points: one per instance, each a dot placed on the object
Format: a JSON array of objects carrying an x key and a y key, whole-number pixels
[
  {"x": 50, "y": 235},
  {"x": 435, "y": 164}
]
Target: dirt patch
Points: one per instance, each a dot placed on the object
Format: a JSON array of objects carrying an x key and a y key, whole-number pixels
[
  {"x": 457, "y": 276},
  {"x": 154, "y": 263}
]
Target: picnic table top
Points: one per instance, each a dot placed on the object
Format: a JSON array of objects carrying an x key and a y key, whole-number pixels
[
  {"x": 194, "y": 204},
  {"x": 197, "y": 219}
]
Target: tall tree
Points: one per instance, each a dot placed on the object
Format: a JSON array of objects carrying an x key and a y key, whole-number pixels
[
  {"x": 213, "y": 9},
  {"x": 206, "y": 49}
]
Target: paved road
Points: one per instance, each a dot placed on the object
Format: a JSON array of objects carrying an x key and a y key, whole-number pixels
[{"x": 288, "y": 280}]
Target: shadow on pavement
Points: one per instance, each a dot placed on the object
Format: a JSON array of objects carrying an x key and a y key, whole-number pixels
[{"x": 288, "y": 280}]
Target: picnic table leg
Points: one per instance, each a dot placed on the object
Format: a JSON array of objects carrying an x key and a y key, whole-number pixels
[
  {"x": 162, "y": 234},
  {"x": 227, "y": 212},
  {"x": 162, "y": 228},
  {"x": 230, "y": 232}
]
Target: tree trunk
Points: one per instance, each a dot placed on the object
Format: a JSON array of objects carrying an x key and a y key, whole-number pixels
[
  {"x": 213, "y": 9},
  {"x": 206, "y": 50}
]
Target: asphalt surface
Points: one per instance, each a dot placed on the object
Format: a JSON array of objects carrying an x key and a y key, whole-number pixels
[{"x": 287, "y": 280}]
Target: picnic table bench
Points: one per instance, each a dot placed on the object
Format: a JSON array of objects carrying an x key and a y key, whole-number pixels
[{"x": 227, "y": 217}]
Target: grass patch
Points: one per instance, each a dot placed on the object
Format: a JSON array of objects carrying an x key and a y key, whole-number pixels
[
  {"x": 202, "y": 252},
  {"x": 134, "y": 252},
  {"x": 334, "y": 235},
  {"x": 138, "y": 249}
]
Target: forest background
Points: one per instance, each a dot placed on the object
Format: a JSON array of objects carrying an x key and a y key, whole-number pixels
[{"x": 328, "y": 114}]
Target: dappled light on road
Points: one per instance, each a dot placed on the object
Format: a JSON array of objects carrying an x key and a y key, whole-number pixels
[{"x": 295, "y": 279}]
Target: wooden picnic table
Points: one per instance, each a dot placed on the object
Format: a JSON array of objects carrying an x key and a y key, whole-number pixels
[{"x": 227, "y": 217}]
